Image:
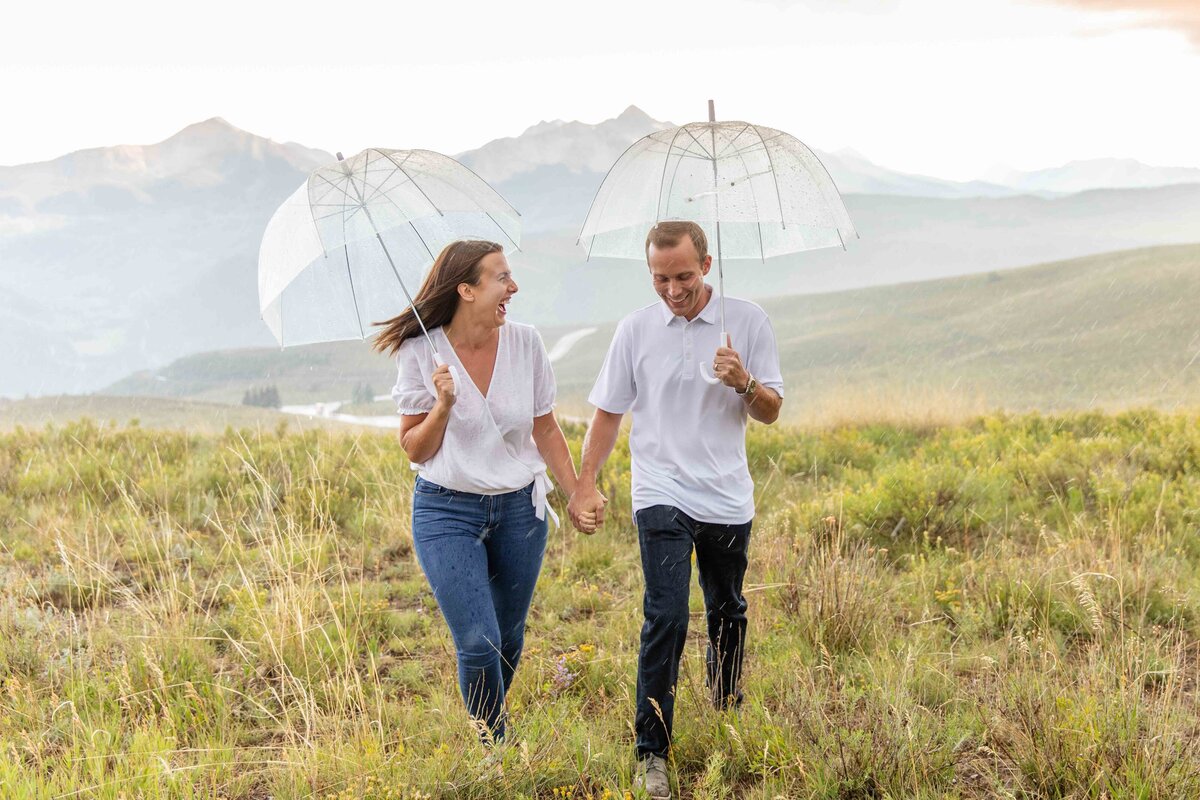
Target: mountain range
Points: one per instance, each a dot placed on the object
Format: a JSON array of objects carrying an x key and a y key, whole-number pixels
[
  {"x": 119, "y": 259},
  {"x": 1100, "y": 173}
]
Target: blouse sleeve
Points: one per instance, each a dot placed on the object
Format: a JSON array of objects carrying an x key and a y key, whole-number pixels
[
  {"x": 544, "y": 387},
  {"x": 410, "y": 393}
]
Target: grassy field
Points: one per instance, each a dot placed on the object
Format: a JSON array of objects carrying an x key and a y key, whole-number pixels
[
  {"x": 1006, "y": 607},
  {"x": 1110, "y": 331}
]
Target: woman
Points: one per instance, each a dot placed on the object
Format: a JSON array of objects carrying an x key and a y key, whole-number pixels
[{"x": 481, "y": 450}]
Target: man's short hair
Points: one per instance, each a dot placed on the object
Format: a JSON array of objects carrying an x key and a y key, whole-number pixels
[{"x": 669, "y": 233}]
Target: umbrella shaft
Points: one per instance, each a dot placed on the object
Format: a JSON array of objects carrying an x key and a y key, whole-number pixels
[
  {"x": 721, "y": 278},
  {"x": 717, "y": 202},
  {"x": 411, "y": 303}
]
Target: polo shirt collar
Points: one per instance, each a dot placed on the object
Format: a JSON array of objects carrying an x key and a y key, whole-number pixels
[{"x": 707, "y": 314}]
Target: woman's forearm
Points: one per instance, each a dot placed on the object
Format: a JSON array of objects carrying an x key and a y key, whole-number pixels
[
  {"x": 424, "y": 438},
  {"x": 552, "y": 445}
]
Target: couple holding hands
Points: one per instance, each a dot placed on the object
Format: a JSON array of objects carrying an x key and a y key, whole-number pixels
[{"x": 482, "y": 450}]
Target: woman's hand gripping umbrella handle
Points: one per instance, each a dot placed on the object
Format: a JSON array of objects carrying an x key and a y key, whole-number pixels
[
  {"x": 706, "y": 366},
  {"x": 439, "y": 361}
]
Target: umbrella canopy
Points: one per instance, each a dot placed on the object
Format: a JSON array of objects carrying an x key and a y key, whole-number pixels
[
  {"x": 352, "y": 244},
  {"x": 757, "y": 192},
  {"x": 762, "y": 190}
]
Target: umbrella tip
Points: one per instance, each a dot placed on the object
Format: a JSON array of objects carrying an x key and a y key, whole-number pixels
[
  {"x": 343, "y": 158},
  {"x": 712, "y": 112}
]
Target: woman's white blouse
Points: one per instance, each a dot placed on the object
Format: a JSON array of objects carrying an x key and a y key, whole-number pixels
[{"x": 488, "y": 446}]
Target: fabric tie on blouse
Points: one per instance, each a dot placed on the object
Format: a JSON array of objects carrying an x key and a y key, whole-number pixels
[
  {"x": 541, "y": 497},
  {"x": 542, "y": 487}
]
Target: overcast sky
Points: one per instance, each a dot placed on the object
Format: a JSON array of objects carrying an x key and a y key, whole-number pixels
[{"x": 941, "y": 87}]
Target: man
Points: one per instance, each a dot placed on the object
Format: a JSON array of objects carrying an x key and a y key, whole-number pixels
[{"x": 691, "y": 485}]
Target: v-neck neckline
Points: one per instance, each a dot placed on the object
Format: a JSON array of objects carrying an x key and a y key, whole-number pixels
[{"x": 495, "y": 363}]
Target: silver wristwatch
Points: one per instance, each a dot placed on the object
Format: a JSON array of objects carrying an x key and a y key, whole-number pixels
[{"x": 751, "y": 388}]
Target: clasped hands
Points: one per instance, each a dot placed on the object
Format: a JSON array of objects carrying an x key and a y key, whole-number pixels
[{"x": 586, "y": 508}]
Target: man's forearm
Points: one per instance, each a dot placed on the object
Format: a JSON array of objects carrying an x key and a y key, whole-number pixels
[
  {"x": 763, "y": 406},
  {"x": 598, "y": 445}
]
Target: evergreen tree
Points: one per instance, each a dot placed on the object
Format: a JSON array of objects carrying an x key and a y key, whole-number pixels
[{"x": 262, "y": 397}]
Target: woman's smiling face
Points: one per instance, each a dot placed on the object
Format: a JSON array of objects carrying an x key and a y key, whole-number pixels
[{"x": 495, "y": 288}]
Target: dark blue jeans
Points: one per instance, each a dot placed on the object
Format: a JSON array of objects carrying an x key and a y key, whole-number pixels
[
  {"x": 482, "y": 555},
  {"x": 667, "y": 536}
]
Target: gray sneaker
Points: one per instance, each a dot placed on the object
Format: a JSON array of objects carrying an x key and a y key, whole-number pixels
[
  {"x": 493, "y": 763},
  {"x": 652, "y": 778}
]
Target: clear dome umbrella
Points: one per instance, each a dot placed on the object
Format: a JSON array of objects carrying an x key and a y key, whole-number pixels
[
  {"x": 757, "y": 192},
  {"x": 353, "y": 243}
]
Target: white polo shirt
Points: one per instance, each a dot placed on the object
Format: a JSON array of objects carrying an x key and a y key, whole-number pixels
[{"x": 688, "y": 440}]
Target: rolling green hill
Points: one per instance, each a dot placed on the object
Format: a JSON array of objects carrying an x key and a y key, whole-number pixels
[
  {"x": 302, "y": 374},
  {"x": 1112, "y": 330},
  {"x": 1117, "y": 329},
  {"x": 309, "y": 374}
]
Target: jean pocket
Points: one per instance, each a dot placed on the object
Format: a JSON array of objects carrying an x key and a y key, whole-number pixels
[
  {"x": 655, "y": 517},
  {"x": 430, "y": 489}
]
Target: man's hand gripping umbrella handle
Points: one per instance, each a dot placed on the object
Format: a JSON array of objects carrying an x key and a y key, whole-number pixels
[
  {"x": 706, "y": 367},
  {"x": 438, "y": 361}
]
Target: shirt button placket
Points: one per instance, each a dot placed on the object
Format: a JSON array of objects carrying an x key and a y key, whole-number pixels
[{"x": 689, "y": 363}]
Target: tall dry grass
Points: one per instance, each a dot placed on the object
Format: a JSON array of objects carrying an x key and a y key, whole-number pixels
[{"x": 1002, "y": 607}]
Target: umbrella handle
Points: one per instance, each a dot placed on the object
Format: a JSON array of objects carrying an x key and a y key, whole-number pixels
[
  {"x": 706, "y": 367},
  {"x": 439, "y": 361}
]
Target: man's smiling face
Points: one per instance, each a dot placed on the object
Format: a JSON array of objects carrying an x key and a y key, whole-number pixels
[{"x": 678, "y": 276}]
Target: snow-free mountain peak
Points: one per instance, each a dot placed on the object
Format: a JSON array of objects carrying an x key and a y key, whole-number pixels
[
  {"x": 205, "y": 153},
  {"x": 633, "y": 114},
  {"x": 575, "y": 146}
]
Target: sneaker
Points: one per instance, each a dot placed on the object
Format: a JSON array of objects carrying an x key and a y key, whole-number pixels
[
  {"x": 652, "y": 778},
  {"x": 492, "y": 764}
]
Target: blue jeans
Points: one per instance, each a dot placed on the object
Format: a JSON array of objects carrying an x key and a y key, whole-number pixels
[
  {"x": 667, "y": 536},
  {"x": 482, "y": 555}
]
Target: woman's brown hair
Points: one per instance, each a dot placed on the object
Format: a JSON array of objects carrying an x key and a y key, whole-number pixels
[{"x": 437, "y": 300}]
